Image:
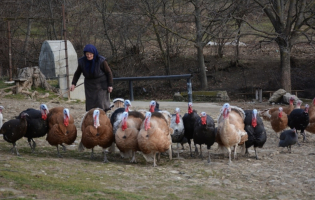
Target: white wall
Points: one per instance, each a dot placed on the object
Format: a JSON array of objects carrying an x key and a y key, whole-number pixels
[{"x": 52, "y": 64}]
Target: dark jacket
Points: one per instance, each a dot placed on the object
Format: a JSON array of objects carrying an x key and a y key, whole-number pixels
[{"x": 101, "y": 70}]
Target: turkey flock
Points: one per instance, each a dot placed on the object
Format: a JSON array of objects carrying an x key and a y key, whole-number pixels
[{"x": 153, "y": 131}]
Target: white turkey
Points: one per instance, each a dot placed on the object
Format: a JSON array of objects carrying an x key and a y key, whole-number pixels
[{"x": 178, "y": 126}]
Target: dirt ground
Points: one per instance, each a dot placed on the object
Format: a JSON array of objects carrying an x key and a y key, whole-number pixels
[{"x": 277, "y": 175}]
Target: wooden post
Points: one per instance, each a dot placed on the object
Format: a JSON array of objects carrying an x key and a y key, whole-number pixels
[
  {"x": 131, "y": 90},
  {"x": 260, "y": 95},
  {"x": 66, "y": 48},
  {"x": 189, "y": 90},
  {"x": 19, "y": 83},
  {"x": 10, "y": 54},
  {"x": 17, "y": 89},
  {"x": 256, "y": 94}
]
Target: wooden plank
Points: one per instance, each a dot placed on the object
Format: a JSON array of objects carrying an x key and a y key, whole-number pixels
[{"x": 8, "y": 87}]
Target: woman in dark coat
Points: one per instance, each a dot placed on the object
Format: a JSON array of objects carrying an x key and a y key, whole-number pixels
[{"x": 98, "y": 82}]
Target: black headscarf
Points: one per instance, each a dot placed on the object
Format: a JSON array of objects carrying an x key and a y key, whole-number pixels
[{"x": 90, "y": 64}]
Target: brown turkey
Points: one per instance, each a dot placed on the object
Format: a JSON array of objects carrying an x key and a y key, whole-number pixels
[
  {"x": 96, "y": 131},
  {"x": 61, "y": 128},
  {"x": 127, "y": 134}
]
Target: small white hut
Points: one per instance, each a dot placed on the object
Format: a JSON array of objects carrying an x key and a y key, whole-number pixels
[{"x": 52, "y": 64}]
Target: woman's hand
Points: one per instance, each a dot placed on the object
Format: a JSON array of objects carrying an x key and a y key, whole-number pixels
[
  {"x": 110, "y": 89},
  {"x": 72, "y": 88}
]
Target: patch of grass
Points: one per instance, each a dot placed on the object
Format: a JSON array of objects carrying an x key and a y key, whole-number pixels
[
  {"x": 172, "y": 196},
  {"x": 78, "y": 189},
  {"x": 177, "y": 165},
  {"x": 6, "y": 194},
  {"x": 3, "y": 85},
  {"x": 53, "y": 82},
  {"x": 217, "y": 174},
  {"x": 15, "y": 96},
  {"x": 202, "y": 193}
]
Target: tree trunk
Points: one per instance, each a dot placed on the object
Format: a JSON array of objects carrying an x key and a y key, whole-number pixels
[
  {"x": 167, "y": 43},
  {"x": 237, "y": 55},
  {"x": 220, "y": 48},
  {"x": 202, "y": 68},
  {"x": 199, "y": 46},
  {"x": 105, "y": 12},
  {"x": 285, "y": 54},
  {"x": 28, "y": 33},
  {"x": 112, "y": 46},
  {"x": 53, "y": 22}
]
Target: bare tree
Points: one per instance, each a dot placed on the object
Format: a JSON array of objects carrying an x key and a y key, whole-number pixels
[
  {"x": 28, "y": 30},
  {"x": 291, "y": 20},
  {"x": 242, "y": 8},
  {"x": 106, "y": 9},
  {"x": 158, "y": 10},
  {"x": 209, "y": 18}
]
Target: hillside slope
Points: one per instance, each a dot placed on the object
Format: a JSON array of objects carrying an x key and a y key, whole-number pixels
[{"x": 258, "y": 67}]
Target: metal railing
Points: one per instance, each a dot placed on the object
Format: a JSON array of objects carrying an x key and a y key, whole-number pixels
[{"x": 183, "y": 76}]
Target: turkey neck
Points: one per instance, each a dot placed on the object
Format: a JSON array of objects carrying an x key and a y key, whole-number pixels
[
  {"x": 226, "y": 124},
  {"x": 291, "y": 107},
  {"x": 311, "y": 109},
  {"x": 1, "y": 118},
  {"x": 23, "y": 122}
]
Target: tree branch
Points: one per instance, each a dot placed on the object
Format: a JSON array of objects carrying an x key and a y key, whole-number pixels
[
  {"x": 261, "y": 31},
  {"x": 289, "y": 18},
  {"x": 268, "y": 12}
]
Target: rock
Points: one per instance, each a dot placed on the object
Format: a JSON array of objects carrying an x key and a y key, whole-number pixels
[
  {"x": 212, "y": 181},
  {"x": 223, "y": 96},
  {"x": 178, "y": 97},
  {"x": 226, "y": 182},
  {"x": 34, "y": 78},
  {"x": 286, "y": 98},
  {"x": 277, "y": 96},
  {"x": 274, "y": 182},
  {"x": 312, "y": 180},
  {"x": 280, "y": 197}
]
